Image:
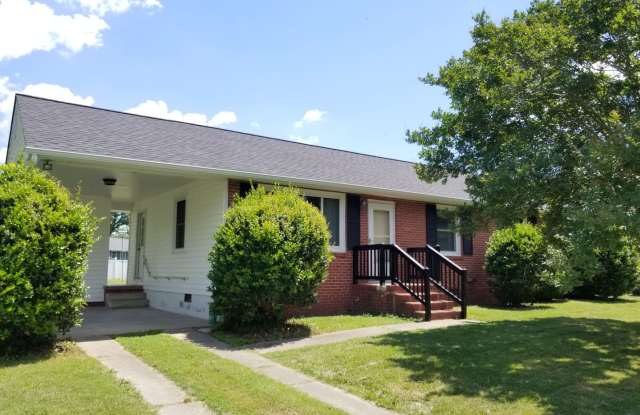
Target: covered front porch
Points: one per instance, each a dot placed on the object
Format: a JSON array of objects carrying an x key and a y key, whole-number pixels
[{"x": 172, "y": 216}]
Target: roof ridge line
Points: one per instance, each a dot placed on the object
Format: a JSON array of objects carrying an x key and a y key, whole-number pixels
[{"x": 208, "y": 126}]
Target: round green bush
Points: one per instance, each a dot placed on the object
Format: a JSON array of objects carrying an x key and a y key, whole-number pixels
[
  {"x": 515, "y": 259},
  {"x": 271, "y": 252},
  {"x": 45, "y": 239},
  {"x": 616, "y": 273}
]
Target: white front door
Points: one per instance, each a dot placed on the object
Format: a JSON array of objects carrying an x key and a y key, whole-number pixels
[
  {"x": 382, "y": 227},
  {"x": 382, "y": 230},
  {"x": 141, "y": 224}
]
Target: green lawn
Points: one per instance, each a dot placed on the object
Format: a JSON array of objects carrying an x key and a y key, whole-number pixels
[
  {"x": 64, "y": 382},
  {"x": 574, "y": 357},
  {"x": 308, "y": 326},
  {"x": 225, "y": 386}
]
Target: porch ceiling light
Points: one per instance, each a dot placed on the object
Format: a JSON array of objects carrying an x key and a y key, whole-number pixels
[{"x": 109, "y": 181}]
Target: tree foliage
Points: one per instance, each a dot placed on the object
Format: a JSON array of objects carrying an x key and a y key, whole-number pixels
[
  {"x": 45, "y": 239},
  {"x": 271, "y": 252},
  {"x": 119, "y": 222},
  {"x": 544, "y": 121}
]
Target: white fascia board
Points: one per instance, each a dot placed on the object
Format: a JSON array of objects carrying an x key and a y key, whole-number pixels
[{"x": 238, "y": 174}]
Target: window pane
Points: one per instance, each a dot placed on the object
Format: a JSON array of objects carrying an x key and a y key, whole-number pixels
[
  {"x": 447, "y": 240},
  {"x": 443, "y": 223},
  {"x": 332, "y": 215},
  {"x": 315, "y": 201}
]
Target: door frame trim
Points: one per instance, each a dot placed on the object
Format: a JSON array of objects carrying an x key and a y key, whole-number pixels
[
  {"x": 137, "y": 275},
  {"x": 387, "y": 205}
]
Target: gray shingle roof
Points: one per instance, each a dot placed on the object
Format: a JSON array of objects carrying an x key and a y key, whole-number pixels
[{"x": 54, "y": 125}]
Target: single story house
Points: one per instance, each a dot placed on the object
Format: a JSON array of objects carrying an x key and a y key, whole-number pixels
[{"x": 177, "y": 179}]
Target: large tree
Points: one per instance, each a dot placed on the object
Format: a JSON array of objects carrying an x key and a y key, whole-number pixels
[{"x": 543, "y": 120}]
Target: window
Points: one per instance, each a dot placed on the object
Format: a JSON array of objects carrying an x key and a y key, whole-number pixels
[
  {"x": 119, "y": 255},
  {"x": 181, "y": 212},
  {"x": 332, "y": 206},
  {"x": 448, "y": 238}
]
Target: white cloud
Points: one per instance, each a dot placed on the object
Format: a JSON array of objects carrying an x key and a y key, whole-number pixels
[
  {"x": 223, "y": 117},
  {"x": 310, "y": 116},
  {"x": 102, "y": 7},
  {"x": 44, "y": 90},
  {"x": 160, "y": 109},
  {"x": 3, "y": 154},
  {"x": 26, "y": 27},
  {"x": 312, "y": 139},
  {"x": 255, "y": 124}
]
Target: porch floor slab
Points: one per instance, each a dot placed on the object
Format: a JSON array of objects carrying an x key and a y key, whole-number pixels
[{"x": 101, "y": 322}]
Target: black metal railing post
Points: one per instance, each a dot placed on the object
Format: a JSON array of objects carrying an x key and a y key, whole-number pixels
[
  {"x": 435, "y": 268},
  {"x": 381, "y": 265},
  {"x": 463, "y": 294},
  {"x": 355, "y": 254},
  {"x": 427, "y": 294}
]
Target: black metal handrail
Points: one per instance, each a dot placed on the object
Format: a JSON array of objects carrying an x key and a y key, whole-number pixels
[
  {"x": 445, "y": 274},
  {"x": 389, "y": 262}
]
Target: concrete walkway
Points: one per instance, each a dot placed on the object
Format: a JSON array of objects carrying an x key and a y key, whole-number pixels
[
  {"x": 328, "y": 394},
  {"x": 103, "y": 322},
  {"x": 341, "y": 336},
  {"x": 154, "y": 388}
]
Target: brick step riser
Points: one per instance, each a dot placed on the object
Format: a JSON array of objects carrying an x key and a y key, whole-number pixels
[{"x": 125, "y": 295}]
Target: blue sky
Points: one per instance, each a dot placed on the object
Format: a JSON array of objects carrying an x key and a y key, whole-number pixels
[{"x": 351, "y": 66}]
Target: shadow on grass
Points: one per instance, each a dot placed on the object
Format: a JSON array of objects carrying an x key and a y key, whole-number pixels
[
  {"x": 569, "y": 365},
  {"x": 34, "y": 356},
  {"x": 261, "y": 336}
]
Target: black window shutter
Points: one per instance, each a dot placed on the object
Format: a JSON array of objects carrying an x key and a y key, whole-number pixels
[
  {"x": 467, "y": 244},
  {"x": 353, "y": 220},
  {"x": 181, "y": 215},
  {"x": 432, "y": 224},
  {"x": 245, "y": 187}
]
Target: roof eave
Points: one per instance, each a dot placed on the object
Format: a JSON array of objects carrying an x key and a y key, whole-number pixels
[{"x": 238, "y": 174}]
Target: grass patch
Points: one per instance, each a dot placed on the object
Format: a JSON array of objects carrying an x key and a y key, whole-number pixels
[
  {"x": 301, "y": 327},
  {"x": 572, "y": 357},
  {"x": 65, "y": 381},
  {"x": 225, "y": 386}
]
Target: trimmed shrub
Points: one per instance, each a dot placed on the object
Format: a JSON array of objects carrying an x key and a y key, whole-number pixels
[
  {"x": 616, "y": 273},
  {"x": 45, "y": 239},
  {"x": 271, "y": 252},
  {"x": 515, "y": 259}
]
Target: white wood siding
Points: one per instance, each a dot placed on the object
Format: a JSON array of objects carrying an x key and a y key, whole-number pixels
[{"x": 206, "y": 204}]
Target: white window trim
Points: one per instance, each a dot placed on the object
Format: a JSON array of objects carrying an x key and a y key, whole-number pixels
[
  {"x": 457, "y": 236},
  {"x": 342, "y": 246},
  {"x": 342, "y": 238},
  {"x": 383, "y": 204}
]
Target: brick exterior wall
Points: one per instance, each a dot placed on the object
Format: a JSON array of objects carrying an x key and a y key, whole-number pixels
[{"x": 337, "y": 293}]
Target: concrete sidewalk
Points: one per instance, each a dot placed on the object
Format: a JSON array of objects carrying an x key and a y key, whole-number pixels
[
  {"x": 328, "y": 394},
  {"x": 154, "y": 387},
  {"x": 341, "y": 336}
]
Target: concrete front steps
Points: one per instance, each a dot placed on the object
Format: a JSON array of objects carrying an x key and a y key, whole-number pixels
[
  {"x": 392, "y": 298},
  {"x": 125, "y": 296}
]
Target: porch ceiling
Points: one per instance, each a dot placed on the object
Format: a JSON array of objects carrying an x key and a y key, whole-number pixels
[{"x": 131, "y": 184}]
